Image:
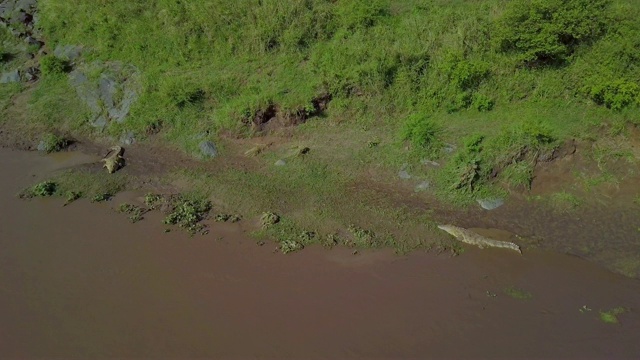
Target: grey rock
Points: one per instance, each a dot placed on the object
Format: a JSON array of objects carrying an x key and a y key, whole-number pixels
[
  {"x": 208, "y": 149},
  {"x": 85, "y": 90},
  {"x": 280, "y": 163},
  {"x": 99, "y": 122},
  {"x": 68, "y": 52},
  {"x": 26, "y": 4},
  {"x": 106, "y": 90},
  {"x": 127, "y": 138},
  {"x": 42, "y": 146},
  {"x": 107, "y": 97},
  {"x": 423, "y": 186},
  {"x": 449, "y": 148},
  {"x": 10, "y": 77},
  {"x": 403, "y": 174},
  {"x": 430, "y": 162},
  {"x": 491, "y": 204}
]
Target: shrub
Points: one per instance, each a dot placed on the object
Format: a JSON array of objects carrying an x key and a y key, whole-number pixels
[
  {"x": 616, "y": 94},
  {"x": 548, "y": 31},
  {"x": 52, "y": 143},
  {"x": 43, "y": 189},
  {"x": 421, "y": 132},
  {"x": 51, "y": 65},
  {"x": 482, "y": 103},
  {"x": 355, "y": 14}
]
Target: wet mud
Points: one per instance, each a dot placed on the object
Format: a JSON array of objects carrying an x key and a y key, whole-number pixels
[{"x": 83, "y": 282}]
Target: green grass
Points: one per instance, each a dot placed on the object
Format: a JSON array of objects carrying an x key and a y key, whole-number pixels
[
  {"x": 380, "y": 59},
  {"x": 75, "y": 184},
  {"x": 611, "y": 316},
  {"x": 564, "y": 201}
]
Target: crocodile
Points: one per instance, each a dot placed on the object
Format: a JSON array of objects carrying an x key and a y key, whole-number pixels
[
  {"x": 470, "y": 237},
  {"x": 114, "y": 160}
]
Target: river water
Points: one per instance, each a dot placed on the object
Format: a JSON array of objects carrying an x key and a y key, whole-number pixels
[{"x": 81, "y": 281}]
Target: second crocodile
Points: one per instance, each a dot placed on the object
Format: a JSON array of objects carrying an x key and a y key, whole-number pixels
[{"x": 470, "y": 237}]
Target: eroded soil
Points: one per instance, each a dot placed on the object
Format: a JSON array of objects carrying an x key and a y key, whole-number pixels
[{"x": 81, "y": 281}]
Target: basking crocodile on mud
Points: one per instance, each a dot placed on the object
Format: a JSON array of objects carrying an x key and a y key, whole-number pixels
[
  {"x": 470, "y": 237},
  {"x": 113, "y": 161}
]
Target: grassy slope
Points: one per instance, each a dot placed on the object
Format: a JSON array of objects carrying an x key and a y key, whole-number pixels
[{"x": 208, "y": 65}]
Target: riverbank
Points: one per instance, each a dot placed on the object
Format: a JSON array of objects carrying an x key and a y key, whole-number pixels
[
  {"x": 85, "y": 282},
  {"x": 362, "y": 146}
]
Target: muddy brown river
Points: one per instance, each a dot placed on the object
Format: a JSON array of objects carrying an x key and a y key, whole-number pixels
[{"x": 82, "y": 282}]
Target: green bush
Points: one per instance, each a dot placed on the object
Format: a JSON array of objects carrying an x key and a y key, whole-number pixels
[
  {"x": 548, "y": 31},
  {"x": 359, "y": 14},
  {"x": 43, "y": 189},
  {"x": 421, "y": 132},
  {"x": 52, "y": 143},
  {"x": 482, "y": 102},
  {"x": 51, "y": 65},
  {"x": 616, "y": 94}
]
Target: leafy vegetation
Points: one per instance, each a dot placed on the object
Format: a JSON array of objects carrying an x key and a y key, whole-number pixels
[
  {"x": 187, "y": 212},
  {"x": 52, "y": 143},
  {"x": 611, "y": 316},
  {"x": 517, "y": 293},
  {"x": 135, "y": 212}
]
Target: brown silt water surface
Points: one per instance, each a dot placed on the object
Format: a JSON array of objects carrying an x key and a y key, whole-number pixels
[{"x": 82, "y": 282}]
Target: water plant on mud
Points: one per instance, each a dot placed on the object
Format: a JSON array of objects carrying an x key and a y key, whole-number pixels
[
  {"x": 611, "y": 316},
  {"x": 518, "y": 293},
  {"x": 135, "y": 212},
  {"x": 43, "y": 189},
  {"x": 187, "y": 213}
]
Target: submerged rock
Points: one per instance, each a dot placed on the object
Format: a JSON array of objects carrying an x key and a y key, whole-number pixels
[
  {"x": 208, "y": 149},
  {"x": 491, "y": 204}
]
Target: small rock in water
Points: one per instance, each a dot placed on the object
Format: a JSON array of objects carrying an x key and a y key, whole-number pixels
[
  {"x": 10, "y": 77},
  {"x": 208, "y": 149},
  {"x": 423, "y": 186},
  {"x": 429, "y": 162},
  {"x": 490, "y": 204},
  {"x": 280, "y": 163}
]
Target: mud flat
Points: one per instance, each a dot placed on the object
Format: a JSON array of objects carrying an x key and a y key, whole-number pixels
[{"x": 81, "y": 281}]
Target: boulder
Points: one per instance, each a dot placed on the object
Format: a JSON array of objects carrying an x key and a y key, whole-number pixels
[
  {"x": 491, "y": 204},
  {"x": 208, "y": 149},
  {"x": 10, "y": 77}
]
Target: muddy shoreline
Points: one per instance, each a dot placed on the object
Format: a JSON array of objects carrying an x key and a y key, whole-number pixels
[{"x": 81, "y": 281}]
